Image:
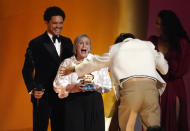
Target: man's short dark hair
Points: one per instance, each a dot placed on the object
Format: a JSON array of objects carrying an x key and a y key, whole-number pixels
[
  {"x": 123, "y": 36},
  {"x": 53, "y": 11}
]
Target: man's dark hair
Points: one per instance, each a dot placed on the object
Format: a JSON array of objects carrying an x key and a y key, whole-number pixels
[
  {"x": 123, "y": 36},
  {"x": 53, "y": 11}
]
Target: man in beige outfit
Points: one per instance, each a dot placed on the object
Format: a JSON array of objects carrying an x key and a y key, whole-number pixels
[{"x": 133, "y": 64}]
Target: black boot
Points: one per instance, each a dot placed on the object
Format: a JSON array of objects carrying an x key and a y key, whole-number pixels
[{"x": 154, "y": 128}]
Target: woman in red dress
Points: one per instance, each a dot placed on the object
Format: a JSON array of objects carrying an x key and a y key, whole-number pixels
[{"x": 172, "y": 40}]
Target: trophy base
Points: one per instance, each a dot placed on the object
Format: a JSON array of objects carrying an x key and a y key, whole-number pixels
[{"x": 88, "y": 87}]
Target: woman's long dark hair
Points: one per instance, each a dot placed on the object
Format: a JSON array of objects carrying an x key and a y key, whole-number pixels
[{"x": 172, "y": 29}]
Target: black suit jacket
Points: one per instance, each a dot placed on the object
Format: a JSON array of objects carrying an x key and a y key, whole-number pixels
[{"x": 42, "y": 62}]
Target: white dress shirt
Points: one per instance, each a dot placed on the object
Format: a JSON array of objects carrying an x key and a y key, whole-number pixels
[{"x": 57, "y": 44}]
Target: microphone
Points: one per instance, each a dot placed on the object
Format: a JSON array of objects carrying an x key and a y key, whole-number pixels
[{"x": 38, "y": 88}]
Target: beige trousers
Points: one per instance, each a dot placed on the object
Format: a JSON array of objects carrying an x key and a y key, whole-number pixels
[{"x": 139, "y": 98}]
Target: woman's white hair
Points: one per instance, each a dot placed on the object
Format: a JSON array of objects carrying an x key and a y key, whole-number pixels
[{"x": 77, "y": 40}]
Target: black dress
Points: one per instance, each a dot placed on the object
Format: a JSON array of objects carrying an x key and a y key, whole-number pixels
[{"x": 84, "y": 112}]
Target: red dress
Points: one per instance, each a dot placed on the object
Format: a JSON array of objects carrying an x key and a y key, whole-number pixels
[{"x": 178, "y": 67}]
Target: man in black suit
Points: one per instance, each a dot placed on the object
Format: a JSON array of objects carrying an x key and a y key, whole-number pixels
[{"x": 42, "y": 59}]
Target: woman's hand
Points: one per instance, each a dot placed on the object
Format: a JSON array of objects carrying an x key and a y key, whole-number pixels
[
  {"x": 62, "y": 93},
  {"x": 96, "y": 86},
  {"x": 73, "y": 88}
]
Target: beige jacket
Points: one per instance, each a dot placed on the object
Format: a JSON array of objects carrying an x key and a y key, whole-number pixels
[{"x": 130, "y": 58}]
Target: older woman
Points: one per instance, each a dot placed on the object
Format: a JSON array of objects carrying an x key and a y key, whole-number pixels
[{"x": 82, "y": 109}]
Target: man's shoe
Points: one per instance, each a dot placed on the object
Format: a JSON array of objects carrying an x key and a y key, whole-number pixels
[{"x": 154, "y": 128}]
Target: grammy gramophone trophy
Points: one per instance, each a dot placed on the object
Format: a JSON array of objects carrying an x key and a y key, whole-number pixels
[{"x": 87, "y": 81}]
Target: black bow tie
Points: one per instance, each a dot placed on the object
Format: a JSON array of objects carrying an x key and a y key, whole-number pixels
[{"x": 56, "y": 37}]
